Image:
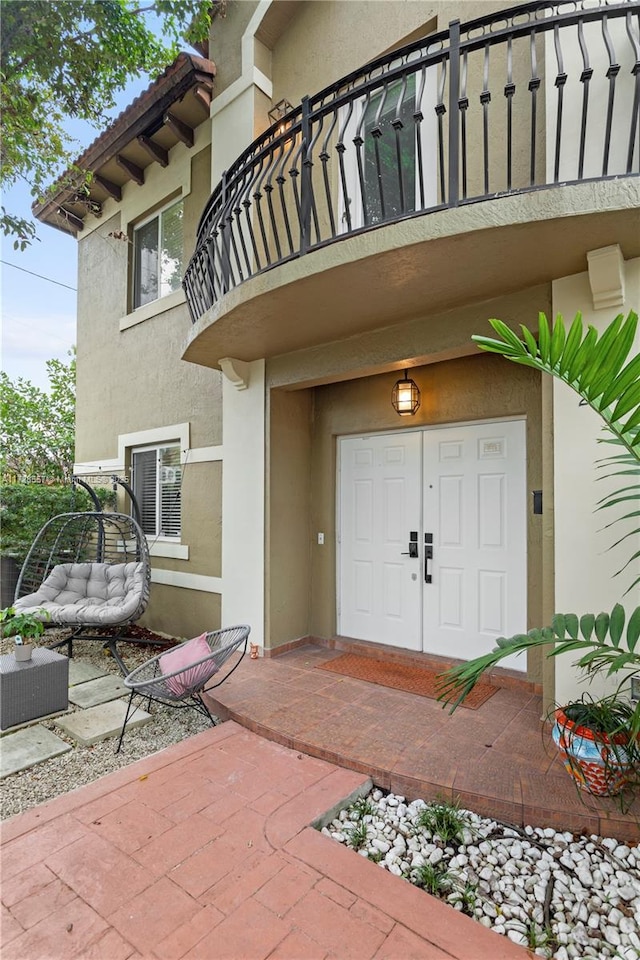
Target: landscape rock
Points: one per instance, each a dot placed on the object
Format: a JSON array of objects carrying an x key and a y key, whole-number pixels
[{"x": 593, "y": 882}]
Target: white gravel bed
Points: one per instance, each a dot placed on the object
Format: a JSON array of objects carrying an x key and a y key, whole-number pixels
[
  {"x": 560, "y": 895},
  {"x": 81, "y": 765}
]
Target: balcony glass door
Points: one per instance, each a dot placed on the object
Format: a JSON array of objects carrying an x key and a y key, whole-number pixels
[{"x": 390, "y": 152}]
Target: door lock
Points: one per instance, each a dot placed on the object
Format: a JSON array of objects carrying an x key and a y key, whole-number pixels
[
  {"x": 428, "y": 555},
  {"x": 413, "y": 545}
]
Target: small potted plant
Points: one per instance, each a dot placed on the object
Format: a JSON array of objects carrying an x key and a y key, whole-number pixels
[
  {"x": 598, "y": 739},
  {"x": 596, "y": 743},
  {"x": 23, "y": 627}
]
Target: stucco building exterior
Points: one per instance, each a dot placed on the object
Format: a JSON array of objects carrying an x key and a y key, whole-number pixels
[{"x": 350, "y": 190}]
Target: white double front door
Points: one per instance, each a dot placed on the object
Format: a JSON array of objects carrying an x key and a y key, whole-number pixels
[{"x": 432, "y": 538}]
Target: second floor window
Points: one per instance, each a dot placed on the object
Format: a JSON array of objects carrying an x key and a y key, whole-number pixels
[
  {"x": 157, "y": 481},
  {"x": 157, "y": 245}
]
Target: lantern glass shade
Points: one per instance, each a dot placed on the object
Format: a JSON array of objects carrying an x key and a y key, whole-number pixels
[
  {"x": 405, "y": 397},
  {"x": 279, "y": 110}
]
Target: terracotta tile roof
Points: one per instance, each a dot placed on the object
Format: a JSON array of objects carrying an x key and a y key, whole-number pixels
[
  {"x": 189, "y": 76},
  {"x": 184, "y": 65}
]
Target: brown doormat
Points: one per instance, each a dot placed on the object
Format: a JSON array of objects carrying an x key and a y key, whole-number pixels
[{"x": 401, "y": 676}]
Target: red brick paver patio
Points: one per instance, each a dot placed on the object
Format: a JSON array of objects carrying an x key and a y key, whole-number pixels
[
  {"x": 204, "y": 850},
  {"x": 497, "y": 760}
]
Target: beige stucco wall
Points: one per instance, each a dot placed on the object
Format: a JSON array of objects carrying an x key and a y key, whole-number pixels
[
  {"x": 225, "y": 41},
  {"x": 339, "y": 37},
  {"x": 131, "y": 379},
  {"x": 304, "y": 425},
  {"x": 432, "y": 335},
  {"x": 181, "y": 613},
  {"x": 289, "y": 515}
]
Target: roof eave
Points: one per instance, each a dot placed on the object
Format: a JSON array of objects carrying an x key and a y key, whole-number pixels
[{"x": 146, "y": 113}]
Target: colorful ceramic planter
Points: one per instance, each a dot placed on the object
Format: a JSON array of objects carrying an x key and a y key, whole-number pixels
[{"x": 597, "y": 766}]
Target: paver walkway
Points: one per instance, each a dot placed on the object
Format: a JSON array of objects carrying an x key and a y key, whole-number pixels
[
  {"x": 204, "y": 850},
  {"x": 497, "y": 760}
]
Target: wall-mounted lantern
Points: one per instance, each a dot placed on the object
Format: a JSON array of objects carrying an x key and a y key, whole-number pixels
[
  {"x": 405, "y": 397},
  {"x": 279, "y": 110}
]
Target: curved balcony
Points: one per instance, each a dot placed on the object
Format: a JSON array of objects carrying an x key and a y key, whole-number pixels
[{"x": 539, "y": 96}]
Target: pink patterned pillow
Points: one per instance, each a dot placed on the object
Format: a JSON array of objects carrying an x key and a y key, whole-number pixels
[{"x": 182, "y": 657}]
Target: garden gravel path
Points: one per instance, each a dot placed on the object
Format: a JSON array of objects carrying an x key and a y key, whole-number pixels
[{"x": 82, "y": 765}]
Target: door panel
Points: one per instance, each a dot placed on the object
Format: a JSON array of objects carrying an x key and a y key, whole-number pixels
[
  {"x": 380, "y": 587},
  {"x": 474, "y": 505},
  {"x": 465, "y": 487}
]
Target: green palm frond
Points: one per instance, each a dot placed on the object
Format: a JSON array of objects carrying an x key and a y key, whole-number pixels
[
  {"x": 601, "y": 372},
  {"x": 604, "y": 643},
  {"x": 596, "y": 367},
  {"x": 626, "y": 465}
]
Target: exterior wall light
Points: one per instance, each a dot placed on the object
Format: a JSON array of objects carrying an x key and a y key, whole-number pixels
[
  {"x": 405, "y": 397},
  {"x": 279, "y": 110}
]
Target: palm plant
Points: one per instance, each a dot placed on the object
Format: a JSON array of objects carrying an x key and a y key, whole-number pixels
[{"x": 601, "y": 371}]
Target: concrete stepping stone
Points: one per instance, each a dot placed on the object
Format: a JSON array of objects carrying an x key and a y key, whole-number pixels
[
  {"x": 28, "y": 747},
  {"x": 100, "y": 723},
  {"x": 100, "y": 690},
  {"x": 80, "y": 671}
]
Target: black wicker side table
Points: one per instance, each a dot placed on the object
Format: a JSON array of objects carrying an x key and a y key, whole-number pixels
[{"x": 33, "y": 688}]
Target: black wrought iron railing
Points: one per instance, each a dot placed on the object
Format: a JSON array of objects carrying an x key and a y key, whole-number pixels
[{"x": 541, "y": 94}]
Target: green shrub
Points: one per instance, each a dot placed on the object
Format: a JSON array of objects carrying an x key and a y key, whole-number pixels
[{"x": 26, "y": 507}]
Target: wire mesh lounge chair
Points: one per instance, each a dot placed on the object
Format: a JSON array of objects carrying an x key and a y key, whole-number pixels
[
  {"x": 179, "y": 677},
  {"x": 87, "y": 571}
]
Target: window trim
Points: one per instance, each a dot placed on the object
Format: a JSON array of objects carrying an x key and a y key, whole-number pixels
[
  {"x": 152, "y": 309},
  {"x": 137, "y": 226}
]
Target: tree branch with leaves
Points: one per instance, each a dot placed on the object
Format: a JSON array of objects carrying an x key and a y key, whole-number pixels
[
  {"x": 37, "y": 431},
  {"x": 66, "y": 59}
]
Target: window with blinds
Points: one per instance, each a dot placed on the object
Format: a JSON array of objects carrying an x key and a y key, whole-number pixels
[{"x": 157, "y": 482}]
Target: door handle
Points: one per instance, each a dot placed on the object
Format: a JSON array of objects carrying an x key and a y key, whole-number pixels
[
  {"x": 428, "y": 555},
  {"x": 412, "y": 551},
  {"x": 413, "y": 545}
]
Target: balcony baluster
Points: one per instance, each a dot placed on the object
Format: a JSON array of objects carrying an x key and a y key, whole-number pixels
[{"x": 393, "y": 140}]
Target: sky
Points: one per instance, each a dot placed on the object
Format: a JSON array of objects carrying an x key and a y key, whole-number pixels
[{"x": 39, "y": 316}]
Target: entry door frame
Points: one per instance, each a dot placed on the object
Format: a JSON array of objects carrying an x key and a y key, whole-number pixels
[{"x": 428, "y": 428}]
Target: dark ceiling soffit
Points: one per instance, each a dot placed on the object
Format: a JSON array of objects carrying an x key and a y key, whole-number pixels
[
  {"x": 112, "y": 189},
  {"x": 131, "y": 169},
  {"x": 74, "y": 223},
  {"x": 133, "y": 122}
]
